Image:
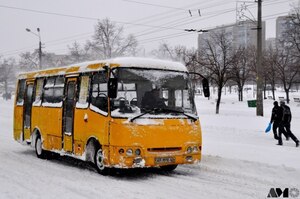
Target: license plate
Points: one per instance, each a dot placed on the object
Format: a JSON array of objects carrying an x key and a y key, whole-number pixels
[{"x": 162, "y": 160}]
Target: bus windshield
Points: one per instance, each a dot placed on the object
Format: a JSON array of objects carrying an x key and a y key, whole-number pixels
[{"x": 153, "y": 93}]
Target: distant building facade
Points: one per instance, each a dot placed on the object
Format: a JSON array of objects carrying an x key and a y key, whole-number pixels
[
  {"x": 241, "y": 34},
  {"x": 271, "y": 42},
  {"x": 283, "y": 23},
  {"x": 281, "y": 26}
]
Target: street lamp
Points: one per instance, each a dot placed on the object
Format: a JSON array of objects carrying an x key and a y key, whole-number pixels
[{"x": 40, "y": 44}]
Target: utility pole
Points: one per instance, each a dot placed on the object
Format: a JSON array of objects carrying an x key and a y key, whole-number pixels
[
  {"x": 40, "y": 49},
  {"x": 259, "y": 66},
  {"x": 40, "y": 45}
]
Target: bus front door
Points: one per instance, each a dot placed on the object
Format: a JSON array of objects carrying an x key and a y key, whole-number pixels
[
  {"x": 27, "y": 111},
  {"x": 68, "y": 114}
]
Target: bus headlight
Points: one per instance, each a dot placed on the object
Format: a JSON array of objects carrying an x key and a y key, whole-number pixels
[
  {"x": 129, "y": 152},
  {"x": 195, "y": 149},
  {"x": 137, "y": 152},
  {"x": 121, "y": 151},
  {"x": 189, "y": 149},
  {"x": 189, "y": 158}
]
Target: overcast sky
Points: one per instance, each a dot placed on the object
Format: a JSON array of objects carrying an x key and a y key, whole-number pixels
[{"x": 152, "y": 21}]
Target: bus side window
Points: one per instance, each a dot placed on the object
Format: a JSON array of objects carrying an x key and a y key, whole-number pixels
[
  {"x": 99, "y": 91},
  {"x": 21, "y": 92},
  {"x": 83, "y": 98},
  {"x": 54, "y": 91},
  {"x": 59, "y": 89},
  {"x": 38, "y": 92}
]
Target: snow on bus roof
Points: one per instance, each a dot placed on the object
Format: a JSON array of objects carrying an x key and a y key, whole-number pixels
[
  {"x": 148, "y": 63},
  {"x": 139, "y": 62}
]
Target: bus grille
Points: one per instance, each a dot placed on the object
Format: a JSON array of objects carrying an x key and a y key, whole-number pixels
[{"x": 164, "y": 149}]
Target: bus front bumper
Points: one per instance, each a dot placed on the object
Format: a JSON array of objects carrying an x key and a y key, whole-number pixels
[{"x": 151, "y": 159}]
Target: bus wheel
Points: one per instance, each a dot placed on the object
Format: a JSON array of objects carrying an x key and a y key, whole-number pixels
[
  {"x": 168, "y": 168},
  {"x": 40, "y": 153},
  {"x": 99, "y": 162}
]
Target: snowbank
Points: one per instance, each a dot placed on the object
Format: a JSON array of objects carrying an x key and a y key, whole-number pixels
[{"x": 239, "y": 161}]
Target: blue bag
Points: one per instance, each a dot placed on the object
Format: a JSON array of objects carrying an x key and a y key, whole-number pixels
[{"x": 268, "y": 127}]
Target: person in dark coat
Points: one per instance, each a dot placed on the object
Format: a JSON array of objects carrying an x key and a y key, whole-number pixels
[
  {"x": 276, "y": 119},
  {"x": 151, "y": 99},
  {"x": 285, "y": 125}
]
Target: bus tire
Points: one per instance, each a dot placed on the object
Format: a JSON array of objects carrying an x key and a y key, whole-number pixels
[
  {"x": 40, "y": 152},
  {"x": 168, "y": 168},
  {"x": 99, "y": 162}
]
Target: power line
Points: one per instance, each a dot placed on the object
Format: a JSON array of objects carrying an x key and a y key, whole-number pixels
[
  {"x": 155, "y": 5},
  {"x": 174, "y": 36},
  {"x": 64, "y": 15},
  {"x": 79, "y": 17},
  {"x": 51, "y": 41},
  {"x": 179, "y": 24},
  {"x": 267, "y": 17},
  {"x": 152, "y": 17},
  {"x": 185, "y": 18},
  {"x": 181, "y": 21}
]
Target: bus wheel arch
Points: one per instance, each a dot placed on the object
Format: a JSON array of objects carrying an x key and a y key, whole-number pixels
[
  {"x": 99, "y": 162},
  {"x": 91, "y": 146},
  {"x": 35, "y": 133},
  {"x": 95, "y": 155},
  {"x": 38, "y": 144}
]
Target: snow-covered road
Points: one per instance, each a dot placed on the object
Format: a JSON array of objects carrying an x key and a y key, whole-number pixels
[{"x": 239, "y": 161}]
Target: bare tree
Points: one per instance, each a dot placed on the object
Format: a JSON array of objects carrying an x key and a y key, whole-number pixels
[
  {"x": 181, "y": 54},
  {"x": 217, "y": 57},
  {"x": 178, "y": 53},
  {"x": 292, "y": 32},
  {"x": 241, "y": 70},
  {"x": 108, "y": 40},
  {"x": 287, "y": 68},
  {"x": 271, "y": 57},
  {"x": 29, "y": 61},
  {"x": 7, "y": 74},
  {"x": 165, "y": 51},
  {"x": 77, "y": 53}
]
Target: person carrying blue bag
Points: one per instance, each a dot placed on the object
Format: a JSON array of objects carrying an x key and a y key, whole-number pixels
[{"x": 276, "y": 120}]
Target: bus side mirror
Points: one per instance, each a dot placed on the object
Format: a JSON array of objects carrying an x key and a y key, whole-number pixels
[
  {"x": 205, "y": 85},
  {"x": 112, "y": 87}
]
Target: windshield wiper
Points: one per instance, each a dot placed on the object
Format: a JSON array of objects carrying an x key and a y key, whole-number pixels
[
  {"x": 165, "y": 111},
  {"x": 148, "y": 111},
  {"x": 181, "y": 112}
]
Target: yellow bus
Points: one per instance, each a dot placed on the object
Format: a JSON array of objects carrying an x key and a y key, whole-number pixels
[{"x": 117, "y": 113}]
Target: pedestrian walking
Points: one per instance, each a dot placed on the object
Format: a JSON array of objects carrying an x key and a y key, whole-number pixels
[
  {"x": 285, "y": 125},
  {"x": 276, "y": 119}
]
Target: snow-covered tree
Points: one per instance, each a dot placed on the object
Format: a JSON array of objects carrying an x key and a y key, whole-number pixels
[
  {"x": 241, "y": 70},
  {"x": 78, "y": 53},
  {"x": 109, "y": 41},
  {"x": 7, "y": 74},
  {"x": 29, "y": 61},
  {"x": 287, "y": 68},
  {"x": 217, "y": 57}
]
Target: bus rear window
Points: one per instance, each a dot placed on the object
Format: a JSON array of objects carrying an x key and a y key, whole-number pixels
[{"x": 21, "y": 92}]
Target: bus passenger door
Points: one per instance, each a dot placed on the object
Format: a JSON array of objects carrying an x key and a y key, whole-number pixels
[
  {"x": 68, "y": 114},
  {"x": 28, "y": 99}
]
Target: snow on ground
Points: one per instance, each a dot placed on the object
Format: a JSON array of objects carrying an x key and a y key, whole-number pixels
[{"x": 239, "y": 161}]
